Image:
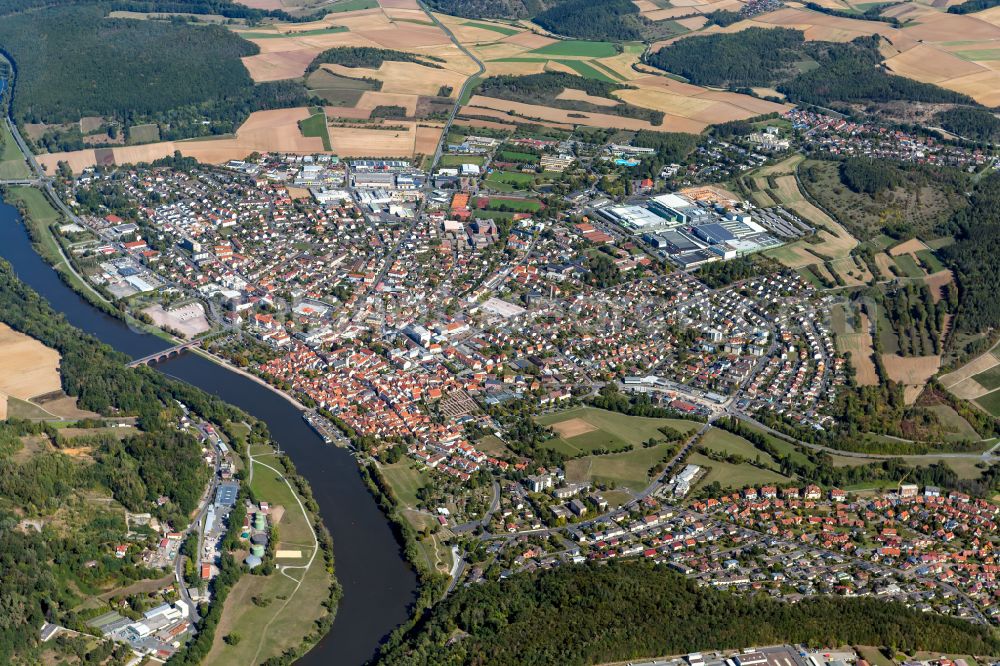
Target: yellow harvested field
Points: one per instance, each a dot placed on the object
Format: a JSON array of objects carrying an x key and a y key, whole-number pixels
[
  {"x": 405, "y": 77},
  {"x": 645, "y": 5},
  {"x": 399, "y": 4},
  {"x": 693, "y": 23},
  {"x": 581, "y": 96},
  {"x": 3, "y": 406},
  {"x": 930, "y": 65},
  {"x": 489, "y": 124},
  {"x": 911, "y": 246},
  {"x": 853, "y": 273},
  {"x": 817, "y": 26},
  {"x": 264, "y": 131},
  {"x": 371, "y": 99},
  {"x": 936, "y": 282},
  {"x": 573, "y": 428},
  {"x": 515, "y": 68},
  {"x": 883, "y": 261},
  {"x": 379, "y": 142},
  {"x": 666, "y": 14},
  {"x": 991, "y": 15},
  {"x": 529, "y": 40},
  {"x": 405, "y": 36},
  {"x": 911, "y": 370},
  {"x": 556, "y": 66},
  {"x": 27, "y": 367},
  {"x": 427, "y": 140},
  {"x": 578, "y": 118},
  {"x": 944, "y": 27},
  {"x": 500, "y": 115},
  {"x": 983, "y": 86},
  {"x": 860, "y": 346}
]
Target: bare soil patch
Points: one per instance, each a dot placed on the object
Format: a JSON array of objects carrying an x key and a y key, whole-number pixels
[{"x": 573, "y": 428}]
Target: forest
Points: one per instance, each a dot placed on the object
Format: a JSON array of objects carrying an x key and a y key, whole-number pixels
[
  {"x": 971, "y": 6},
  {"x": 614, "y": 20},
  {"x": 510, "y": 9},
  {"x": 916, "y": 319},
  {"x": 752, "y": 57},
  {"x": 73, "y": 62},
  {"x": 624, "y": 610},
  {"x": 975, "y": 258},
  {"x": 849, "y": 72},
  {"x": 43, "y": 574},
  {"x": 369, "y": 57},
  {"x": 971, "y": 123},
  {"x": 544, "y": 89}
]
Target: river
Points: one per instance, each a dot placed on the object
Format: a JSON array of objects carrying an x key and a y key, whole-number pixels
[{"x": 378, "y": 584}]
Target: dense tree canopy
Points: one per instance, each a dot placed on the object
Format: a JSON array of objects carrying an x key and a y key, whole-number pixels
[
  {"x": 616, "y": 20},
  {"x": 975, "y": 257},
  {"x": 591, "y": 614}
]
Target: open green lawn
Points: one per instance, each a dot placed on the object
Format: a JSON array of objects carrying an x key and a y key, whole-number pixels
[
  {"x": 406, "y": 479},
  {"x": 516, "y": 156},
  {"x": 458, "y": 160},
  {"x": 607, "y": 70},
  {"x": 908, "y": 265},
  {"x": 735, "y": 476},
  {"x": 629, "y": 469},
  {"x": 507, "y": 32},
  {"x": 726, "y": 442},
  {"x": 22, "y": 409},
  {"x": 957, "y": 428},
  {"x": 148, "y": 133},
  {"x": 989, "y": 379},
  {"x": 287, "y": 617},
  {"x": 607, "y": 429},
  {"x": 526, "y": 205},
  {"x": 492, "y": 445},
  {"x": 578, "y": 48},
  {"x": 315, "y": 125},
  {"x": 990, "y": 402},
  {"x": 39, "y": 208},
  {"x": 293, "y": 530},
  {"x": 12, "y": 164}
]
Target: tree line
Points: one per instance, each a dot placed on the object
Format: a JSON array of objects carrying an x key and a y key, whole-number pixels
[{"x": 574, "y": 615}]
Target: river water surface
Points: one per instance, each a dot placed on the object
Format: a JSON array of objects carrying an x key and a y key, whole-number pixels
[{"x": 377, "y": 582}]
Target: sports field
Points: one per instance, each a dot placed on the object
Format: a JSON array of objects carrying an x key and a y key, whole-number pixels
[{"x": 584, "y": 429}]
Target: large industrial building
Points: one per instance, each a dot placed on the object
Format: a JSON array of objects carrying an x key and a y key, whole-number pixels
[{"x": 692, "y": 233}]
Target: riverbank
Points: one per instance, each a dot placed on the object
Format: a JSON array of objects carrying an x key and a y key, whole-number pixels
[{"x": 378, "y": 583}]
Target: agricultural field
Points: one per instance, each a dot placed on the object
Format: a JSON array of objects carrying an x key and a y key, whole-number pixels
[
  {"x": 263, "y": 131},
  {"x": 315, "y": 125},
  {"x": 833, "y": 241},
  {"x": 964, "y": 381},
  {"x": 584, "y": 429},
  {"x": 990, "y": 402},
  {"x": 859, "y": 343},
  {"x": 27, "y": 367},
  {"x": 12, "y": 164}
]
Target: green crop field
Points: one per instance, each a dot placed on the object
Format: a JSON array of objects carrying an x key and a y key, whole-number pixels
[
  {"x": 930, "y": 261},
  {"x": 579, "y": 48},
  {"x": 507, "y": 32},
  {"x": 587, "y": 71},
  {"x": 989, "y": 379},
  {"x": 990, "y": 402},
  {"x": 599, "y": 428},
  {"x": 315, "y": 125},
  {"x": 908, "y": 265}
]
